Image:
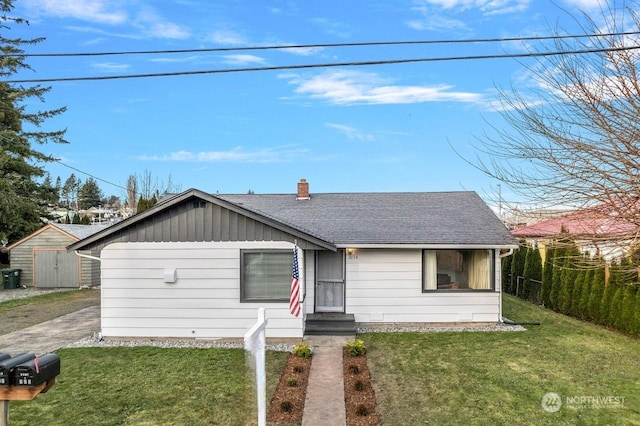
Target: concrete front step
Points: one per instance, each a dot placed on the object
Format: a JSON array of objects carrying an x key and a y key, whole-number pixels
[{"x": 330, "y": 324}]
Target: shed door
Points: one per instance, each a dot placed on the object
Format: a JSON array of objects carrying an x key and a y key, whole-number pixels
[
  {"x": 55, "y": 269},
  {"x": 330, "y": 281}
]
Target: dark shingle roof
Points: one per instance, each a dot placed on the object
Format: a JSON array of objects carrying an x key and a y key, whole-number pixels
[{"x": 451, "y": 218}]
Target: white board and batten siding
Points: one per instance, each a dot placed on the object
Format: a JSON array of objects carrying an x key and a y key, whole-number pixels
[
  {"x": 386, "y": 286},
  {"x": 203, "y": 302}
]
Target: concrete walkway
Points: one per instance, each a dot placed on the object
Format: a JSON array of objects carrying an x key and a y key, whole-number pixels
[
  {"x": 52, "y": 335},
  {"x": 324, "y": 404}
]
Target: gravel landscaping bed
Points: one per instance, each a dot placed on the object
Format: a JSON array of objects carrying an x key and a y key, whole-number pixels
[
  {"x": 416, "y": 328},
  {"x": 97, "y": 341}
]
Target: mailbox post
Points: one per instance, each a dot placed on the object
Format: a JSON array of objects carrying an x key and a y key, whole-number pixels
[{"x": 25, "y": 377}]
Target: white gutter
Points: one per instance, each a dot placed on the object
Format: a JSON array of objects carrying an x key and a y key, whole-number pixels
[
  {"x": 87, "y": 256},
  {"x": 430, "y": 246}
]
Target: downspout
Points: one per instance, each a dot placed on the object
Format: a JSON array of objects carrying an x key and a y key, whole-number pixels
[
  {"x": 87, "y": 256},
  {"x": 502, "y": 256}
]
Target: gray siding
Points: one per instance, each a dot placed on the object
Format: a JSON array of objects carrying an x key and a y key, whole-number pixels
[
  {"x": 197, "y": 221},
  {"x": 36, "y": 253}
]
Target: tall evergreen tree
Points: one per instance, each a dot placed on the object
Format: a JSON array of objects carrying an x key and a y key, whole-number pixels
[
  {"x": 587, "y": 285},
  {"x": 89, "y": 195},
  {"x": 629, "y": 306},
  {"x": 597, "y": 291},
  {"x": 578, "y": 289},
  {"x": 70, "y": 191},
  {"x": 547, "y": 277},
  {"x": 607, "y": 296},
  {"x": 517, "y": 266},
  {"x": 567, "y": 280},
  {"x": 562, "y": 246},
  {"x": 21, "y": 166},
  {"x": 532, "y": 272},
  {"x": 506, "y": 274},
  {"x": 556, "y": 278},
  {"x": 635, "y": 322},
  {"x": 615, "y": 311}
]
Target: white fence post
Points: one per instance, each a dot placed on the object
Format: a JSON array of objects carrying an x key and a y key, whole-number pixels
[{"x": 255, "y": 342}]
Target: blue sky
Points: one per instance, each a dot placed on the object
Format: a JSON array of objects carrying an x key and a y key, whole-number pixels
[{"x": 369, "y": 128}]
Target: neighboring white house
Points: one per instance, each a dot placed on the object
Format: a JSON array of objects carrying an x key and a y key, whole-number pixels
[{"x": 200, "y": 265}]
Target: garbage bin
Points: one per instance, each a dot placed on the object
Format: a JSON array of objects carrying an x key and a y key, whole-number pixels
[{"x": 11, "y": 278}]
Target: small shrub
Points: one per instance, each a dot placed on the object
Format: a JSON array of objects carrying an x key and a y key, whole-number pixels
[
  {"x": 353, "y": 369},
  {"x": 302, "y": 350},
  {"x": 292, "y": 383},
  {"x": 286, "y": 406},
  {"x": 356, "y": 348},
  {"x": 298, "y": 369},
  {"x": 359, "y": 386},
  {"x": 362, "y": 410}
]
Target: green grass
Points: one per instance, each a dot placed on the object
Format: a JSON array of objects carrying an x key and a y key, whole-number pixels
[
  {"x": 499, "y": 378},
  {"x": 149, "y": 386},
  {"x": 43, "y": 299}
]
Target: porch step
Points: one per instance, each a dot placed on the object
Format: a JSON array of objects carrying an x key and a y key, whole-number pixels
[{"x": 330, "y": 324}]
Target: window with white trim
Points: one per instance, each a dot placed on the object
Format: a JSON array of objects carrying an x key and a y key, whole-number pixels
[
  {"x": 265, "y": 275},
  {"x": 465, "y": 270}
]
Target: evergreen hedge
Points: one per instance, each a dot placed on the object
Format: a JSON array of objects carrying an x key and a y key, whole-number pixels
[{"x": 570, "y": 287}]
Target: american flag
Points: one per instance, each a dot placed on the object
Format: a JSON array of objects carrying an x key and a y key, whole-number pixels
[{"x": 294, "y": 294}]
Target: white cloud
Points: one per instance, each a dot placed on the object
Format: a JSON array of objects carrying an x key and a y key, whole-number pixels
[
  {"x": 351, "y": 132},
  {"x": 100, "y": 11},
  {"x": 436, "y": 23},
  {"x": 486, "y": 7},
  {"x": 235, "y": 155},
  {"x": 356, "y": 87},
  {"x": 586, "y": 4},
  {"x": 154, "y": 26},
  {"x": 176, "y": 59},
  {"x": 110, "y": 66},
  {"x": 242, "y": 59},
  {"x": 115, "y": 13},
  {"x": 232, "y": 38},
  {"x": 302, "y": 51}
]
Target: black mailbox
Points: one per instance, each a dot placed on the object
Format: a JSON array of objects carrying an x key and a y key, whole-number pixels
[
  {"x": 37, "y": 370},
  {"x": 7, "y": 366}
]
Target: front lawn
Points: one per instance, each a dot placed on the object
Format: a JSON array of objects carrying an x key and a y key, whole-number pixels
[
  {"x": 148, "y": 386},
  {"x": 500, "y": 378}
]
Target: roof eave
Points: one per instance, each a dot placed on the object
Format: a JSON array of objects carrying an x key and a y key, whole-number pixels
[{"x": 81, "y": 244}]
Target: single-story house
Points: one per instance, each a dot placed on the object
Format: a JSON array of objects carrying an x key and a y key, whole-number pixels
[
  {"x": 45, "y": 262},
  {"x": 200, "y": 265}
]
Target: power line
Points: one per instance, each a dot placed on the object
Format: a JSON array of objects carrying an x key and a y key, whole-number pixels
[
  {"x": 326, "y": 45},
  {"x": 90, "y": 175},
  {"x": 328, "y": 65}
]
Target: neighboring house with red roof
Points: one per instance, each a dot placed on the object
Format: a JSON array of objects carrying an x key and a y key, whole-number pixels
[{"x": 596, "y": 230}]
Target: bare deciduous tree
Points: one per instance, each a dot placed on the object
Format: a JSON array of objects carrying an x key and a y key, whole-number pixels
[
  {"x": 132, "y": 192},
  {"x": 574, "y": 140}
]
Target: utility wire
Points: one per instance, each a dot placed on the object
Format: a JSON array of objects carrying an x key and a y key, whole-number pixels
[
  {"x": 90, "y": 175},
  {"x": 324, "y": 45},
  {"x": 328, "y": 65}
]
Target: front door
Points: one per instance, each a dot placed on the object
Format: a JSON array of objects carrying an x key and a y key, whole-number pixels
[{"x": 330, "y": 281}]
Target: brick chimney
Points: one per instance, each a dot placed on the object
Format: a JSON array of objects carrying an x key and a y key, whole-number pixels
[{"x": 303, "y": 190}]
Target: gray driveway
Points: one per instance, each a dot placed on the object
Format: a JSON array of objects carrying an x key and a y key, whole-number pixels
[{"x": 52, "y": 335}]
